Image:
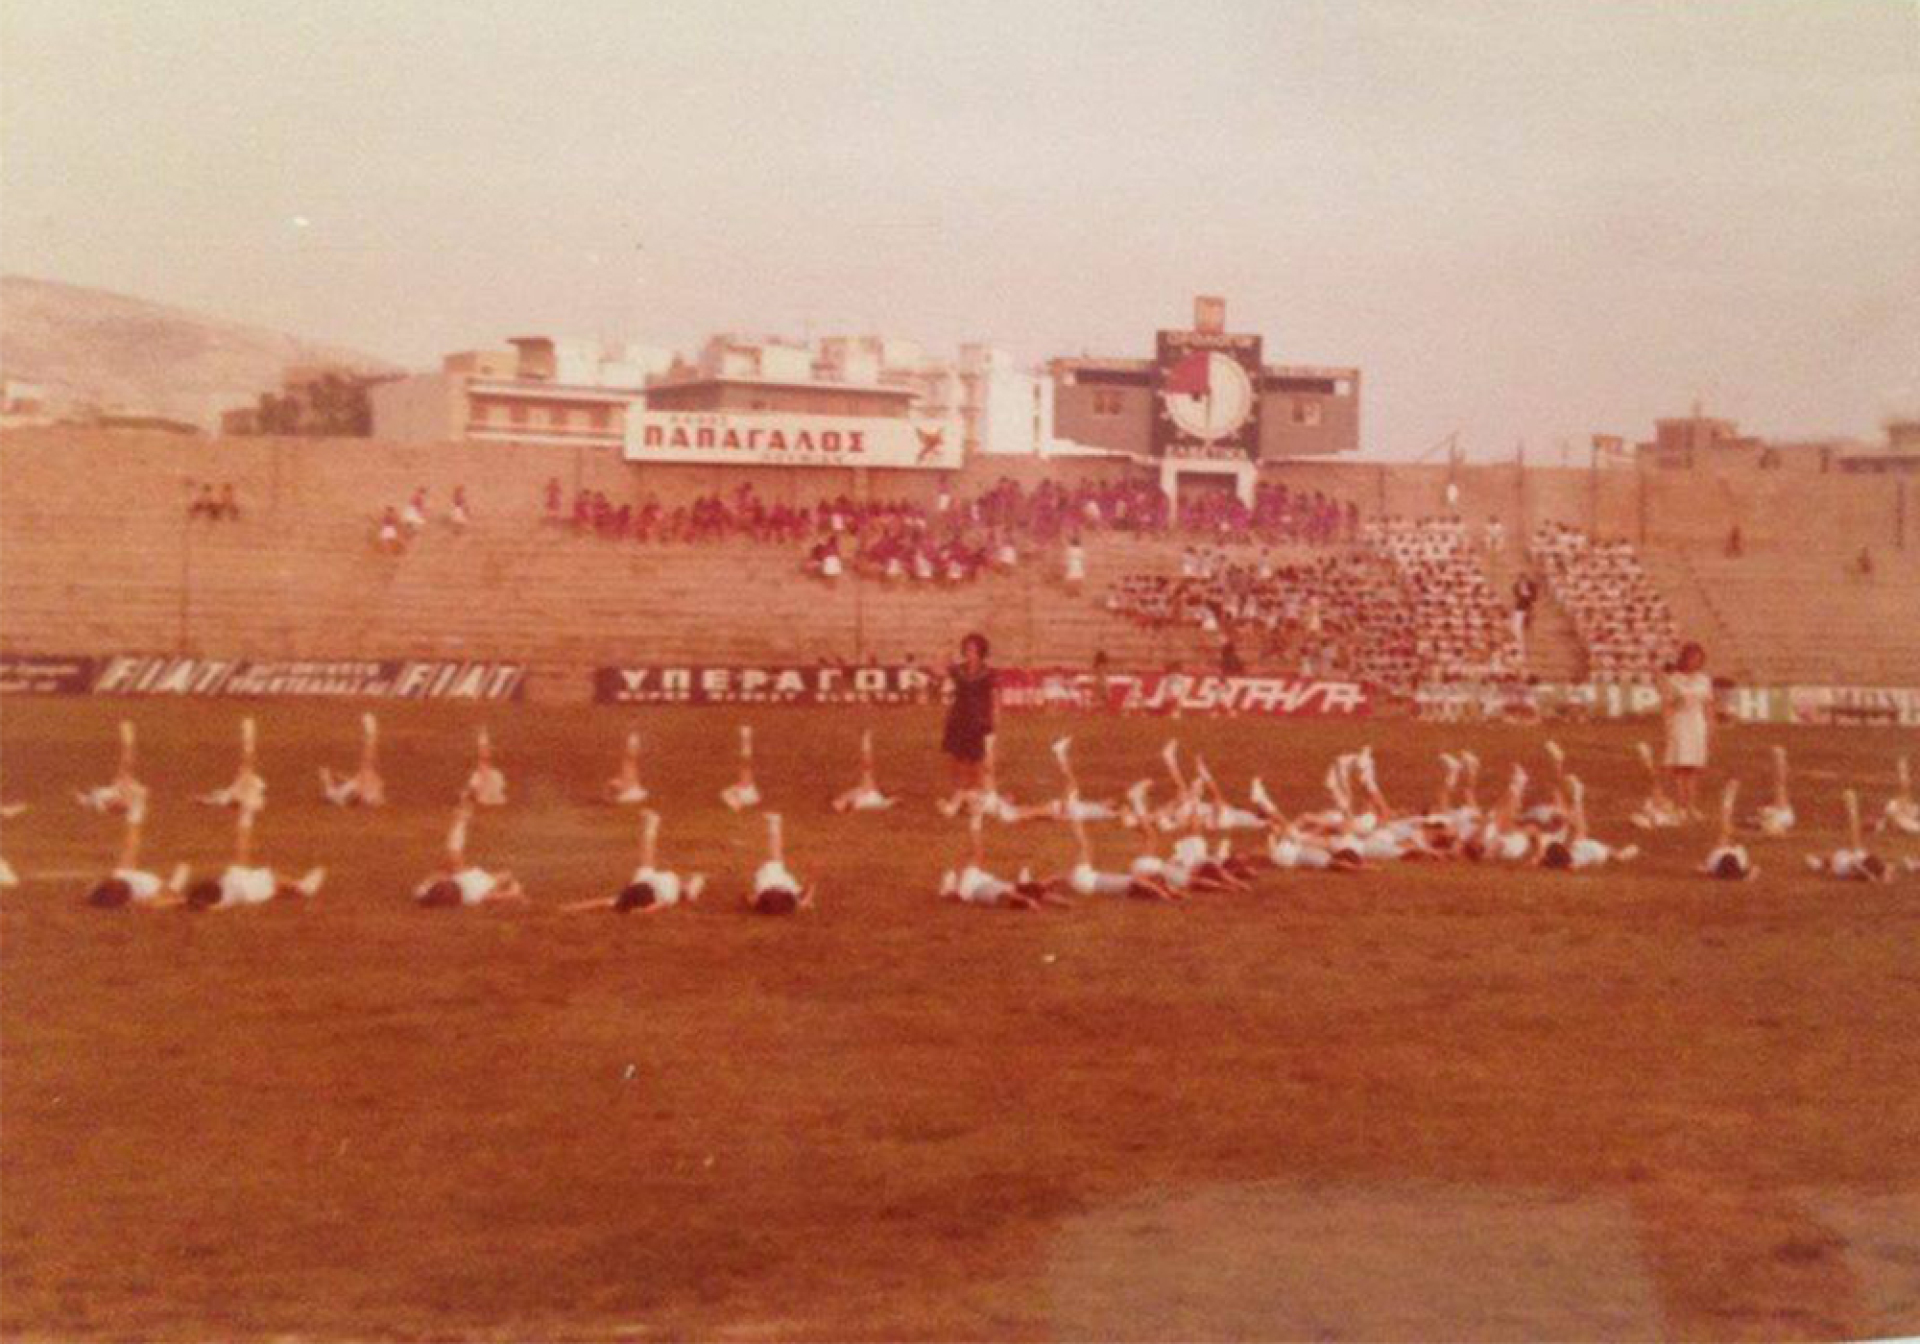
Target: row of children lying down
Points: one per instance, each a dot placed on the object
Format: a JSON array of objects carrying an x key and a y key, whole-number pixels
[
  {"x": 457, "y": 880},
  {"x": 1360, "y": 828}
]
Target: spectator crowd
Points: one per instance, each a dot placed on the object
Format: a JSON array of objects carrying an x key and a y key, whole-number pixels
[
  {"x": 1458, "y": 631},
  {"x": 222, "y": 505},
  {"x": 955, "y": 540},
  {"x": 1624, "y": 622},
  {"x": 401, "y": 525},
  {"x": 1339, "y": 615}
]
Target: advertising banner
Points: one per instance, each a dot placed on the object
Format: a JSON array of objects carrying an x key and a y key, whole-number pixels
[
  {"x": 1206, "y": 403},
  {"x": 731, "y": 438},
  {"x": 1741, "y": 704},
  {"x": 427, "y": 679},
  {"x": 44, "y": 674},
  {"x": 1020, "y": 689},
  {"x": 1855, "y": 704},
  {"x": 764, "y": 685}
]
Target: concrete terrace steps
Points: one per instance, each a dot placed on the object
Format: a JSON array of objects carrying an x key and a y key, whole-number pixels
[
  {"x": 94, "y": 544},
  {"x": 1554, "y": 650},
  {"x": 1802, "y": 615},
  {"x": 506, "y": 590}
]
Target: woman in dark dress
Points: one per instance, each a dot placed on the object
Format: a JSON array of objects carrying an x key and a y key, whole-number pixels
[{"x": 969, "y": 717}]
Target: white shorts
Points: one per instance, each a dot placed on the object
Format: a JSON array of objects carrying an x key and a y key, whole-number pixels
[
  {"x": 144, "y": 886},
  {"x": 476, "y": 884},
  {"x": 1088, "y": 881},
  {"x": 246, "y": 886}
]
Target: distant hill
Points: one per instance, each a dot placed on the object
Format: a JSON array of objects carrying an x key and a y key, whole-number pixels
[{"x": 117, "y": 353}]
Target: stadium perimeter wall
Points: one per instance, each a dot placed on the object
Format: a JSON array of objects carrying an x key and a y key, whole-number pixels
[{"x": 96, "y": 554}]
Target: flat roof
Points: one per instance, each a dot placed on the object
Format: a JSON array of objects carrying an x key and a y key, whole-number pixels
[
  {"x": 805, "y": 385},
  {"x": 1071, "y": 362},
  {"x": 536, "y": 387}
]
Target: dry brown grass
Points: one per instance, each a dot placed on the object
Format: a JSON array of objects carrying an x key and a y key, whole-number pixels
[{"x": 1433, "y": 1102}]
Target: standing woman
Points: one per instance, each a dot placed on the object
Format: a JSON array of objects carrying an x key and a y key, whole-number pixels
[
  {"x": 969, "y": 718},
  {"x": 1686, "y": 697}
]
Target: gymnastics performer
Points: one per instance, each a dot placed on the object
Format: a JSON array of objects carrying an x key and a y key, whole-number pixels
[
  {"x": 9, "y": 878},
  {"x": 457, "y": 882},
  {"x": 625, "y": 789},
  {"x": 1659, "y": 812},
  {"x": 1469, "y": 814},
  {"x": 651, "y": 888},
  {"x": 864, "y": 796},
  {"x": 1853, "y": 863},
  {"x": 1087, "y": 880},
  {"x": 969, "y": 723},
  {"x": 776, "y": 891},
  {"x": 487, "y": 784},
  {"x": 1578, "y": 848},
  {"x": 1503, "y": 835},
  {"x": 129, "y": 886},
  {"x": 1219, "y": 814},
  {"x": 1445, "y": 802},
  {"x": 1728, "y": 860},
  {"x": 974, "y": 885},
  {"x": 1553, "y": 815},
  {"x": 248, "y": 791},
  {"x": 1262, "y": 801},
  {"x": 1902, "y": 812},
  {"x": 1776, "y": 818},
  {"x": 990, "y": 800},
  {"x": 120, "y": 794},
  {"x": 364, "y": 787},
  {"x": 1071, "y": 805},
  {"x": 246, "y": 883},
  {"x": 743, "y": 793},
  {"x": 1289, "y": 845}
]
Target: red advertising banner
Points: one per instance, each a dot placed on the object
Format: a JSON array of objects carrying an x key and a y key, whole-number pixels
[
  {"x": 1181, "y": 693},
  {"x": 1021, "y": 688}
]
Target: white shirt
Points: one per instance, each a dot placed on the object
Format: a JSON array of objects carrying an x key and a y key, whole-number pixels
[
  {"x": 1849, "y": 863},
  {"x": 773, "y": 876},
  {"x": 1589, "y": 853},
  {"x": 1382, "y": 844},
  {"x": 1088, "y": 881},
  {"x": 144, "y": 886},
  {"x": 979, "y": 887},
  {"x": 665, "y": 884},
  {"x": 1738, "y": 853},
  {"x": 1511, "y": 845},
  {"x": 476, "y": 884},
  {"x": 246, "y": 886},
  {"x": 1079, "y": 809}
]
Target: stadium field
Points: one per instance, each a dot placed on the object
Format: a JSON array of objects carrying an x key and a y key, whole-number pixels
[{"x": 1431, "y": 1101}]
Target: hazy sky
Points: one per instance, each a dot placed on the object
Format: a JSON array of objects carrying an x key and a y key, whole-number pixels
[{"x": 1526, "y": 220}]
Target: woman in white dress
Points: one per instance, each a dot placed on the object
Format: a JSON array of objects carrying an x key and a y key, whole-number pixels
[{"x": 1686, "y": 697}]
